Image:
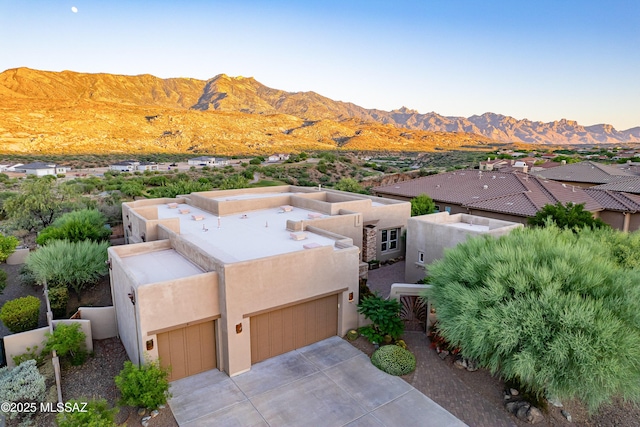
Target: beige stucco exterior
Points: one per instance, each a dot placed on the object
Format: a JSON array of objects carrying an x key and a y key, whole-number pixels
[
  {"x": 430, "y": 235},
  {"x": 231, "y": 291}
]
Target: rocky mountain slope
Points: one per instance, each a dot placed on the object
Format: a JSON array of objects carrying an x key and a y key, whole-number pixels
[{"x": 67, "y": 112}]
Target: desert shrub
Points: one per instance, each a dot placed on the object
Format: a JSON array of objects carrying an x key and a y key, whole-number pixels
[
  {"x": 71, "y": 264},
  {"x": 67, "y": 340},
  {"x": 561, "y": 317},
  {"x": 422, "y": 205},
  {"x": 32, "y": 353},
  {"x": 27, "y": 278},
  {"x": 145, "y": 386},
  {"x": 21, "y": 314},
  {"x": 8, "y": 245},
  {"x": 22, "y": 384},
  {"x": 385, "y": 315},
  {"x": 85, "y": 224},
  {"x": 570, "y": 216},
  {"x": 96, "y": 414},
  {"x": 394, "y": 360},
  {"x": 58, "y": 299},
  {"x": 3, "y": 280}
]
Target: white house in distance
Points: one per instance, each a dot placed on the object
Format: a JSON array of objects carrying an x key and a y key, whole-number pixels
[
  {"x": 208, "y": 161},
  {"x": 278, "y": 157},
  {"x": 133, "y": 165},
  {"x": 41, "y": 169}
]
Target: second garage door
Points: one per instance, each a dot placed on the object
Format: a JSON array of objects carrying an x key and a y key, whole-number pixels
[
  {"x": 286, "y": 329},
  {"x": 189, "y": 350}
]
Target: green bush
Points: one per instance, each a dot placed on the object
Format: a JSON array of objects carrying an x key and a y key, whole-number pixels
[
  {"x": 8, "y": 245},
  {"x": 58, "y": 299},
  {"x": 3, "y": 280},
  {"x": 554, "y": 310},
  {"x": 71, "y": 264},
  {"x": 27, "y": 278},
  {"x": 67, "y": 339},
  {"x": 145, "y": 386},
  {"x": 96, "y": 414},
  {"x": 85, "y": 224},
  {"x": 21, "y": 314},
  {"x": 394, "y": 360},
  {"x": 32, "y": 353},
  {"x": 22, "y": 384},
  {"x": 385, "y": 315}
]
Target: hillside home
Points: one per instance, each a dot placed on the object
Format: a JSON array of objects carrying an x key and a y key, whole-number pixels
[
  {"x": 225, "y": 279},
  {"x": 429, "y": 235},
  {"x": 41, "y": 169},
  {"x": 585, "y": 174},
  {"x": 208, "y": 161},
  {"x": 133, "y": 165},
  {"x": 278, "y": 157}
]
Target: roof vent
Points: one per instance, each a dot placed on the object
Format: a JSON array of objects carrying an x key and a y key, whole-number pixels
[
  {"x": 493, "y": 177},
  {"x": 485, "y": 186}
]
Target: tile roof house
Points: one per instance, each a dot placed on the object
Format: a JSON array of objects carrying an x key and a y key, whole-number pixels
[
  {"x": 620, "y": 210},
  {"x": 225, "y": 279},
  {"x": 585, "y": 174},
  {"x": 500, "y": 195},
  {"x": 626, "y": 185}
]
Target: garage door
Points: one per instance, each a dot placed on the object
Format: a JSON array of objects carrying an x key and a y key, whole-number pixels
[
  {"x": 286, "y": 329},
  {"x": 189, "y": 350}
]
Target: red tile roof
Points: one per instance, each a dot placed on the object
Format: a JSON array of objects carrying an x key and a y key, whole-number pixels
[
  {"x": 628, "y": 185},
  {"x": 615, "y": 200},
  {"x": 589, "y": 172},
  {"x": 511, "y": 193}
]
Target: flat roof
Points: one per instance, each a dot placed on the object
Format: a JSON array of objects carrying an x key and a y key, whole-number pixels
[
  {"x": 160, "y": 266},
  {"x": 250, "y": 196},
  {"x": 466, "y": 226},
  {"x": 246, "y": 235}
]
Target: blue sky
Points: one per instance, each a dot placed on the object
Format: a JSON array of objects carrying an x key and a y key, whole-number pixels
[{"x": 538, "y": 59}]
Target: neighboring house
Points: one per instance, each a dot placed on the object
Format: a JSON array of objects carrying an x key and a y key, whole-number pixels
[
  {"x": 125, "y": 166},
  {"x": 620, "y": 210},
  {"x": 225, "y": 279},
  {"x": 10, "y": 167},
  {"x": 625, "y": 185},
  {"x": 133, "y": 165},
  {"x": 508, "y": 196},
  {"x": 494, "y": 164},
  {"x": 278, "y": 157},
  {"x": 41, "y": 169},
  {"x": 208, "y": 161},
  {"x": 584, "y": 174},
  {"x": 423, "y": 249}
]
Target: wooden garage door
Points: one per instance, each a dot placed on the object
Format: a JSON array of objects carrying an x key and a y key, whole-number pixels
[
  {"x": 286, "y": 329},
  {"x": 189, "y": 350}
]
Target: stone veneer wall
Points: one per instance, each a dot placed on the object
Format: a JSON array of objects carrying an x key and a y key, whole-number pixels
[{"x": 369, "y": 243}]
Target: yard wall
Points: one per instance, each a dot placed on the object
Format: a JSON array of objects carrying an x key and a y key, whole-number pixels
[
  {"x": 103, "y": 321},
  {"x": 16, "y": 344}
]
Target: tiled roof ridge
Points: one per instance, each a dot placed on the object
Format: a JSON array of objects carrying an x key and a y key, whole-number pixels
[
  {"x": 544, "y": 189},
  {"x": 620, "y": 197},
  {"x": 606, "y": 168}
]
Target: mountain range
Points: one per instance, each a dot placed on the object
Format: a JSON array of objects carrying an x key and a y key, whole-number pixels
[{"x": 47, "y": 111}]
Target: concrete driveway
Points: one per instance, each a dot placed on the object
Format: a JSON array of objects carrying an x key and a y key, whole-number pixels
[{"x": 329, "y": 383}]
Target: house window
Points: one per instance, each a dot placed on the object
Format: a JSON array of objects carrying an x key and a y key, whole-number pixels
[
  {"x": 389, "y": 240},
  {"x": 437, "y": 208},
  {"x": 421, "y": 257},
  {"x": 447, "y": 208}
]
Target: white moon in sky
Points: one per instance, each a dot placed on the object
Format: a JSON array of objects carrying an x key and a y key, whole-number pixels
[{"x": 74, "y": 9}]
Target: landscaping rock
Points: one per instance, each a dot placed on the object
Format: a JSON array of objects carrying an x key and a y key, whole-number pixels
[
  {"x": 514, "y": 392},
  {"x": 566, "y": 414},
  {"x": 472, "y": 365},
  {"x": 460, "y": 364},
  {"x": 142, "y": 411},
  {"x": 524, "y": 411},
  {"x": 554, "y": 401},
  {"x": 443, "y": 354},
  {"x": 534, "y": 415}
]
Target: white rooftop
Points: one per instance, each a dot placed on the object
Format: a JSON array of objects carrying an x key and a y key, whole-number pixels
[
  {"x": 160, "y": 266},
  {"x": 467, "y": 226},
  {"x": 244, "y": 236},
  {"x": 249, "y": 196}
]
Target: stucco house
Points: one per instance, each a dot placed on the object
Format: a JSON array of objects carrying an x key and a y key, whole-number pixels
[
  {"x": 208, "y": 161},
  {"x": 224, "y": 279},
  {"x": 277, "y": 157},
  {"x": 41, "y": 169},
  {"x": 125, "y": 166}
]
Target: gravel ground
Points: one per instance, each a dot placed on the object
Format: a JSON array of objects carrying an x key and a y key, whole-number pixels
[{"x": 15, "y": 289}]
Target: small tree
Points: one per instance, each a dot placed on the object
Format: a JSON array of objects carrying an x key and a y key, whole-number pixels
[
  {"x": 85, "y": 224},
  {"x": 145, "y": 386},
  {"x": 21, "y": 314},
  {"x": 385, "y": 315},
  {"x": 350, "y": 185},
  {"x": 566, "y": 216},
  {"x": 422, "y": 205},
  {"x": 67, "y": 340},
  {"x": 96, "y": 414},
  {"x": 75, "y": 265},
  {"x": 8, "y": 245}
]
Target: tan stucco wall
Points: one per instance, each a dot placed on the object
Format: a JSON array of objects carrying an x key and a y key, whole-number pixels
[
  {"x": 16, "y": 344},
  {"x": 103, "y": 321},
  {"x": 429, "y": 234},
  {"x": 253, "y": 286},
  {"x": 174, "y": 303}
]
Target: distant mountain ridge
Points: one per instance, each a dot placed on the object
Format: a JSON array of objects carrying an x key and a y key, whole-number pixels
[{"x": 246, "y": 95}]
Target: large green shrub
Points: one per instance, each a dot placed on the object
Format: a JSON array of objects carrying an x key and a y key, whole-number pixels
[
  {"x": 21, "y": 314},
  {"x": 385, "y": 317},
  {"x": 71, "y": 264},
  {"x": 422, "y": 205},
  {"x": 394, "y": 360},
  {"x": 85, "y": 224},
  {"x": 145, "y": 386},
  {"x": 570, "y": 216},
  {"x": 96, "y": 413},
  {"x": 67, "y": 339},
  {"x": 554, "y": 310},
  {"x": 22, "y": 384}
]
